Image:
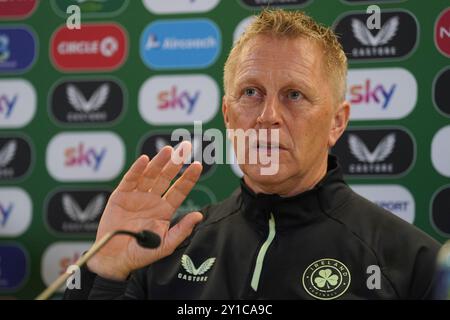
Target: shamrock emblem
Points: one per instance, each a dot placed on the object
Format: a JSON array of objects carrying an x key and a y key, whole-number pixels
[{"x": 326, "y": 278}]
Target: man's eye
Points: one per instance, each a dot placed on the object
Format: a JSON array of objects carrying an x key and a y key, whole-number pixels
[
  {"x": 250, "y": 92},
  {"x": 295, "y": 95}
]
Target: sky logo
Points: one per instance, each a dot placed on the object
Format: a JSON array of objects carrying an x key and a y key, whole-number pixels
[
  {"x": 5, "y": 212},
  {"x": 80, "y": 156},
  {"x": 368, "y": 92},
  {"x": 381, "y": 94},
  {"x": 171, "y": 99},
  {"x": 18, "y": 103},
  {"x": 17, "y": 49},
  {"x": 178, "y": 99},
  {"x": 181, "y": 44},
  {"x": 85, "y": 156},
  {"x": 15, "y": 212},
  {"x": 7, "y": 105}
]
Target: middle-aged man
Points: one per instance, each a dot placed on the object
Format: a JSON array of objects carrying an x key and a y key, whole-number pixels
[{"x": 301, "y": 233}]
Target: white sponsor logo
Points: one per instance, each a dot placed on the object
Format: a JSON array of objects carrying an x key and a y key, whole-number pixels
[
  {"x": 85, "y": 156},
  {"x": 8, "y": 153},
  {"x": 59, "y": 257},
  {"x": 107, "y": 47},
  {"x": 178, "y": 99},
  {"x": 195, "y": 274},
  {"x": 378, "y": 94},
  {"x": 241, "y": 27},
  {"x": 394, "y": 198},
  {"x": 89, "y": 214},
  {"x": 17, "y": 103},
  {"x": 79, "y": 102},
  {"x": 440, "y": 151},
  {"x": 360, "y": 151},
  {"x": 383, "y": 36},
  {"x": 180, "y": 6},
  {"x": 15, "y": 212}
]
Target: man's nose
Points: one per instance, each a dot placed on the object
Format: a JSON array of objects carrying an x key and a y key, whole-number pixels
[{"x": 271, "y": 113}]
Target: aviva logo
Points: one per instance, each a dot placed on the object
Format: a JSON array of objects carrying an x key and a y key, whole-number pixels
[{"x": 195, "y": 274}]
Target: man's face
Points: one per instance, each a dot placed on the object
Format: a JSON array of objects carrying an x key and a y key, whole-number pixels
[{"x": 282, "y": 84}]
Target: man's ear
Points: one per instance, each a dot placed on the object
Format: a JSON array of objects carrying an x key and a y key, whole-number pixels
[
  {"x": 339, "y": 123},
  {"x": 225, "y": 111}
]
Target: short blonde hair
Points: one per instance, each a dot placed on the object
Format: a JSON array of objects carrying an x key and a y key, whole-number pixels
[{"x": 294, "y": 24}]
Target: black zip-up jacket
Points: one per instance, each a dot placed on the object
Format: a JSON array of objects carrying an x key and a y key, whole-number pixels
[{"x": 326, "y": 243}]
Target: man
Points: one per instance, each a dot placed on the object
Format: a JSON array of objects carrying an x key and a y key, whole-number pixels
[{"x": 298, "y": 234}]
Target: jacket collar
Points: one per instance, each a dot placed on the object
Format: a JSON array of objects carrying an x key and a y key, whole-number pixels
[{"x": 300, "y": 209}]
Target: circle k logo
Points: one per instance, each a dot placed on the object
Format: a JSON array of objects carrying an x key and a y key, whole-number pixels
[
  {"x": 99, "y": 47},
  {"x": 442, "y": 32}
]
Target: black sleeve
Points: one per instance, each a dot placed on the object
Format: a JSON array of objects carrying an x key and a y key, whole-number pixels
[{"x": 94, "y": 287}]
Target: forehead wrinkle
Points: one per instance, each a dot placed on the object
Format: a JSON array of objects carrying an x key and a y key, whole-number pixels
[{"x": 257, "y": 57}]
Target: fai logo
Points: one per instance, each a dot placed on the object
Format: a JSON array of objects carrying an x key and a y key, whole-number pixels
[
  {"x": 94, "y": 47},
  {"x": 442, "y": 33},
  {"x": 76, "y": 212},
  {"x": 195, "y": 274},
  {"x": 397, "y": 37},
  {"x": 17, "y": 49},
  {"x": 91, "y": 8},
  {"x": 170, "y": 100},
  {"x": 87, "y": 102},
  {"x": 377, "y": 152},
  {"x": 326, "y": 279}
]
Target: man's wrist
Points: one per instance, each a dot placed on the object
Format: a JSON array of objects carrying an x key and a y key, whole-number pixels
[{"x": 106, "y": 270}]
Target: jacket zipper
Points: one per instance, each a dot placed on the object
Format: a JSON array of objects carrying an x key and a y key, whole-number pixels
[{"x": 262, "y": 253}]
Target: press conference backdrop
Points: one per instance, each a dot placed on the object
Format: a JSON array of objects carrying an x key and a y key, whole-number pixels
[{"x": 78, "y": 106}]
